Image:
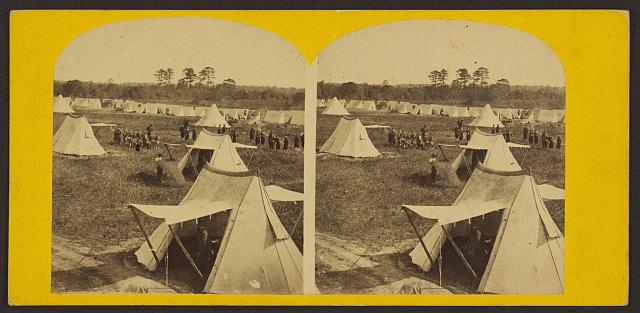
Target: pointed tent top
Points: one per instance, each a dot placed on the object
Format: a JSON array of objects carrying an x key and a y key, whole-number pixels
[
  {"x": 212, "y": 118},
  {"x": 334, "y": 107},
  {"x": 486, "y": 118},
  {"x": 62, "y": 105}
]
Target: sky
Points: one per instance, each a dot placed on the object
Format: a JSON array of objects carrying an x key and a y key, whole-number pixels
[
  {"x": 405, "y": 52},
  {"x": 132, "y": 51}
]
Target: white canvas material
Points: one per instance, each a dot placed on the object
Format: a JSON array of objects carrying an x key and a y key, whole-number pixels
[
  {"x": 212, "y": 118},
  {"x": 486, "y": 118},
  {"x": 350, "y": 139},
  {"x": 528, "y": 253},
  {"x": 76, "y": 137},
  {"x": 62, "y": 105},
  {"x": 256, "y": 255},
  {"x": 334, "y": 107}
]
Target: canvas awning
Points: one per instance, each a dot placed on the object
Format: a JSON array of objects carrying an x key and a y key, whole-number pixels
[
  {"x": 550, "y": 192},
  {"x": 173, "y": 214},
  {"x": 455, "y": 213},
  {"x": 484, "y": 147},
  {"x": 277, "y": 193},
  {"x": 243, "y": 146},
  {"x": 377, "y": 126},
  {"x": 207, "y": 147},
  {"x": 103, "y": 125}
]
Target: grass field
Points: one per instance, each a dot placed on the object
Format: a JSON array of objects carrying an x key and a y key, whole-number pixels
[
  {"x": 90, "y": 195},
  {"x": 359, "y": 200}
]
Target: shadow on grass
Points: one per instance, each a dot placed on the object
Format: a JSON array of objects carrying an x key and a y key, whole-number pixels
[
  {"x": 394, "y": 267},
  {"x": 151, "y": 180}
]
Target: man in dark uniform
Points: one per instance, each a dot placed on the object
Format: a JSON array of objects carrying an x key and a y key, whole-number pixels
[{"x": 285, "y": 143}]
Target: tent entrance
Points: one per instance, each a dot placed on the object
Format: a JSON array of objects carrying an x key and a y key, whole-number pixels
[
  {"x": 198, "y": 159},
  {"x": 201, "y": 241},
  {"x": 466, "y": 249}
]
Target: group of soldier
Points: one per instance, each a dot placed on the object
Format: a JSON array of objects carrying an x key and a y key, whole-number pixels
[
  {"x": 275, "y": 142},
  {"x": 136, "y": 139}
]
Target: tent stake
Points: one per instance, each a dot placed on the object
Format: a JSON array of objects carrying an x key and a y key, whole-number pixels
[
  {"x": 186, "y": 253},
  {"x": 424, "y": 246},
  {"x": 153, "y": 251},
  {"x": 455, "y": 247}
]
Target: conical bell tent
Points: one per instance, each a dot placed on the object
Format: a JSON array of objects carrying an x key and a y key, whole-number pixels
[
  {"x": 212, "y": 118},
  {"x": 76, "y": 137},
  {"x": 350, "y": 139},
  {"x": 526, "y": 246},
  {"x": 256, "y": 255}
]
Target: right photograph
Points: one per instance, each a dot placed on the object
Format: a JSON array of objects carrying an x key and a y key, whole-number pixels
[{"x": 440, "y": 164}]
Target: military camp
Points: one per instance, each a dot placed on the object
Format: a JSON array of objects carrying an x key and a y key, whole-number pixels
[
  {"x": 453, "y": 180},
  {"x": 177, "y": 162}
]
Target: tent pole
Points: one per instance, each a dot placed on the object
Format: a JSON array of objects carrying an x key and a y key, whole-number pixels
[
  {"x": 525, "y": 155},
  {"x": 168, "y": 151},
  {"x": 186, "y": 253},
  {"x": 464, "y": 159},
  {"x": 445, "y": 157},
  {"x": 153, "y": 251},
  {"x": 295, "y": 226},
  {"x": 455, "y": 247},
  {"x": 424, "y": 246}
]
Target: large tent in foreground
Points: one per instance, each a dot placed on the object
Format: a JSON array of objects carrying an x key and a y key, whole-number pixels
[
  {"x": 62, "y": 105},
  {"x": 490, "y": 149},
  {"x": 256, "y": 255},
  {"x": 76, "y": 137},
  {"x": 525, "y": 246},
  {"x": 486, "y": 118},
  {"x": 217, "y": 150},
  {"x": 350, "y": 139},
  {"x": 334, "y": 107},
  {"x": 212, "y": 118}
]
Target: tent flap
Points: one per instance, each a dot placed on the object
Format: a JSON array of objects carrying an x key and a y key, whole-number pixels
[{"x": 455, "y": 213}]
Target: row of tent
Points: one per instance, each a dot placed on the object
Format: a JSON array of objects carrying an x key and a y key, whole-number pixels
[
  {"x": 340, "y": 107},
  {"x": 256, "y": 254},
  {"x": 292, "y": 117}
]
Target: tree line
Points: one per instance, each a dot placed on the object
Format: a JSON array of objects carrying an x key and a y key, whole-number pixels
[{"x": 466, "y": 88}]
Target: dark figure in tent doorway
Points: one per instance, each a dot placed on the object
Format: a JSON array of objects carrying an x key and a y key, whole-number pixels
[
  {"x": 302, "y": 140},
  {"x": 158, "y": 167},
  {"x": 251, "y": 133},
  {"x": 194, "y": 135},
  {"x": 296, "y": 142},
  {"x": 277, "y": 143},
  {"x": 558, "y": 142},
  {"x": 183, "y": 132},
  {"x": 219, "y": 130},
  {"x": 224, "y": 129},
  {"x": 257, "y": 139},
  {"x": 202, "y": 246},
  {"x": 434, "y": 171},
  {"x": 285, "y": 143}
]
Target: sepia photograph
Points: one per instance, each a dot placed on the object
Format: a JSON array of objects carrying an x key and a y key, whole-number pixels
[
  {"x": 440, "y": 165},
  {"x": 178, "y": 160}
]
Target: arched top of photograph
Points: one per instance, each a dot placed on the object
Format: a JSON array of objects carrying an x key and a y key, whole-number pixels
[
  {"x": 212, "y": 59},
  {"x": 444, "y": 53}
]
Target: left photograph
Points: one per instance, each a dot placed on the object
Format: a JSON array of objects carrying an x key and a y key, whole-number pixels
[{"x": 178, "y": 160}]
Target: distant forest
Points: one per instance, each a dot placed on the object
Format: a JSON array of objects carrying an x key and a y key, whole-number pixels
[{"x": 466, "y": 89}]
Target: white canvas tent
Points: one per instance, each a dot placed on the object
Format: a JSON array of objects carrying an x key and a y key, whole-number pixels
[
  {"x": 391, "y": 105},
  {"x": 403, "y": 107},
  {"x": 490, "y": 149},
  {"x": 212, "y": 118},
  {"x": 550, "y": 116},
  {"x": 140, "y": 107},
  {"x": 486, "y": 118},
  {"x": 297, "y": 117},
  {"x": 354, "y": 105},
  {"x": 129, "y": 107},
  {"x": 188, "y": 111},
  {"x": 368, "y": 105},
  {"x": 255, "y": 119},
  {"x": 275, "y": 117},
  {"x": 343, "y": 102},
  {"x": 334, "y": 108},
  {"x": 474, "y": 111},
  {"x": 256, "y": 255},
  {"x": 322, "y": 103},
  {"x": 350, "y": 139},
  {"x": 527, "y": 253},
  {"x": 216, "y": 150},
  {"x": 451, "y": 111},
  {"x": 463, "y": 112},
  {"x": 175, "y": 110},
  {"x": 61, "y": 105},
  {"x": 426, "y": 109},
  {"x": 437, "y": 109},
  {"x": 76, "y": 137}
]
